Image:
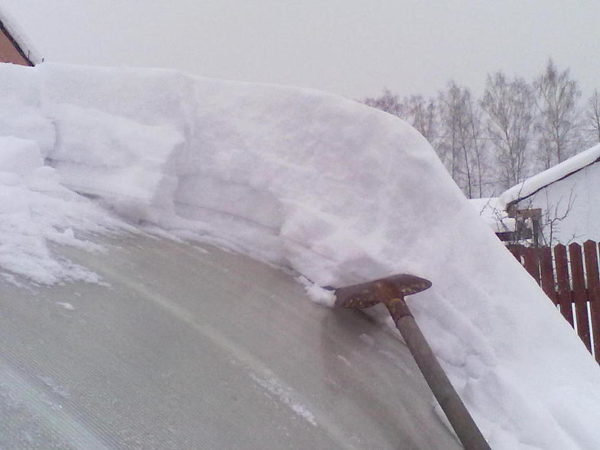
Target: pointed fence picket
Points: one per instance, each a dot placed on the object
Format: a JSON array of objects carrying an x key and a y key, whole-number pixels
[{"x": 570, "y": 278}]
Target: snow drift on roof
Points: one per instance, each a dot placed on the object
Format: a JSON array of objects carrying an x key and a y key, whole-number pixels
[
  {"x": 551, "y": 175},
  {"x": 337, "y": 191}
]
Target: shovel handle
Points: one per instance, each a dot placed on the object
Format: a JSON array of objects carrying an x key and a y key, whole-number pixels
[{"x": 447, "y": 397}]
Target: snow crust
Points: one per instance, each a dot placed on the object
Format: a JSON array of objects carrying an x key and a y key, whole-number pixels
[{"x": 337, "y": 191}]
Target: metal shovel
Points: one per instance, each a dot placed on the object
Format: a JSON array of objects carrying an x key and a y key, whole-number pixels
[{"x": 391, "y": 291}]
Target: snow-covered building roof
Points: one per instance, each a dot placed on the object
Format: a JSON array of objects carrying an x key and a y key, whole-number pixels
[
  {"x": 556, "y": 173},
  {"x": 564, "y": 199},
  {"x": 15, "y": 47}
]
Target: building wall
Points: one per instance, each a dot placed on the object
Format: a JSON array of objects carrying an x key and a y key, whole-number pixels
[
  {"x": 8, "y": 52},
  {"x": 579, "y": 194}
]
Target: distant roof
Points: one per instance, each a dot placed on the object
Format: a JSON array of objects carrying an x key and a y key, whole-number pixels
[
  {"x": 18, "y": 38},
  {"x": 533, "y": 184}
]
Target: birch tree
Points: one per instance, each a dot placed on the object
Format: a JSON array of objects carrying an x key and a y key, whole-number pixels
[
  {"x": 592, "y": 119},
  {"x": 557, "y": 125},
  {"x": 388, "y": 102},
  {"x": 421, "y": 113},
  {"x": 510, "y": 107},
  {"x": 461, "y": 142}
]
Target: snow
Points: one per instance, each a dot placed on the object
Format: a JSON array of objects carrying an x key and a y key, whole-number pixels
[
  {"x": 36, "y": 211},
  {"x": 325, "y": 297},
  {"x": 330, "y": 188}
]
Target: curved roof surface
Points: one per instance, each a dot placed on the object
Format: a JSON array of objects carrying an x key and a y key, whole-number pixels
[{"x": 194, "y": 347}]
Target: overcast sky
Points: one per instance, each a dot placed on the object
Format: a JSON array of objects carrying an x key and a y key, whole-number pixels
[{"x": 350, "y": 47}]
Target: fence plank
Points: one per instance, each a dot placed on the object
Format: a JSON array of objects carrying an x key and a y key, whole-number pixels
[
  {"x": 547, "y": 273},
  {"x": 530, "y": 261},
  {"x": 580, "y": 294},
  {"x": 593, "y": 283},
  {"x": 517, "y": 250},
  {"x": 562, "y": 276}
]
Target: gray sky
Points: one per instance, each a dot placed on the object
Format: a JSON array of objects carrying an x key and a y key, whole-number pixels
[{"x": 350, "y": 47}]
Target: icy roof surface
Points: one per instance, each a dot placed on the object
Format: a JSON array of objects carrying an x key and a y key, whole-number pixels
[
  {"x": 327, "y": 187},
  {"x": 551, "y": 175}
]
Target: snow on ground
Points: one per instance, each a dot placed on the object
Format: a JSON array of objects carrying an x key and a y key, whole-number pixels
[{"x": 337, "y": 191}]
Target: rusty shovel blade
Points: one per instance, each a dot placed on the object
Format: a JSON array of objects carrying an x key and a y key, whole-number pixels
[
  {"x": 365, "y": 295},
  {"x": 391, "y": 292}
]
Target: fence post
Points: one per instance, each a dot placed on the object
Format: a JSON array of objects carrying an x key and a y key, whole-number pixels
[
  {"x": 547, "y": 274},
  {"x": 580, "y": 294},
  {"x": 590, "y": 251},
  {"x": 562, "y": 276}
]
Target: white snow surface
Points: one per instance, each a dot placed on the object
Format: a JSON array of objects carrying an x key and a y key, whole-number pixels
[{"x": 337, "y": 191}]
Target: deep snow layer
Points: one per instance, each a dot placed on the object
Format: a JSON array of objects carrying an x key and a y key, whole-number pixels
[{"x": 333, "y": 189}]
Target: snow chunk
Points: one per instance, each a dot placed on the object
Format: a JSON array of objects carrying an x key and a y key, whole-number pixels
[
  {"x": 317, "y": 294},
  {"x": 35, "y": 210}
]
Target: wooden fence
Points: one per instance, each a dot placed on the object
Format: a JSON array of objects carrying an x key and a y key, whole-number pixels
[{"x": 569, "y": 277}]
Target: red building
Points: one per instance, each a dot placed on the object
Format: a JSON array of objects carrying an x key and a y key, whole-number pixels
[{"x": 10, "y": 49}]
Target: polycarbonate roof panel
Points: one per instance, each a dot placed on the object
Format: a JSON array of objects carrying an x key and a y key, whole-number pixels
[{"x": 188, "y": 347}]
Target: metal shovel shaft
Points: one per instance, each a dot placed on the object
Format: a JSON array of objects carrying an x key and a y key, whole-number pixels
[
  {"x": 391, "y": 291},
  {"x": 455, "y": 410}
]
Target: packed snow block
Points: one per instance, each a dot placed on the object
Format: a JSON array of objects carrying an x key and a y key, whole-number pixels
[
  {"x": 19, "y": 156},
  {"x": 20, "y": 115},
  {"x": 318, "y": 160},
  {"x": 19, "y": 84},
  {"x": 147, "y": 96},
  {"x": 128, "y": 164}
]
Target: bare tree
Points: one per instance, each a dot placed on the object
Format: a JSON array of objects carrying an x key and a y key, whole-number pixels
[
  {"x": 388, "y": 102},
  {"x": 462, "y": 143},
  {"x": 421, "y": 113},
  {"x": 557, "y": 124},
  {"x": 510, "y": 108},
  {"x": 451, "y": 127},
  {"x": 592, "y": 118}
]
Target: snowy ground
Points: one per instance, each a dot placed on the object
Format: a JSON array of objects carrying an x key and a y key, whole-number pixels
[{"x": 336, "y": 191}]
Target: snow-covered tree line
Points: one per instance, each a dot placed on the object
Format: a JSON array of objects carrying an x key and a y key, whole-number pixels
[{"x": 515, "y": 129}]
